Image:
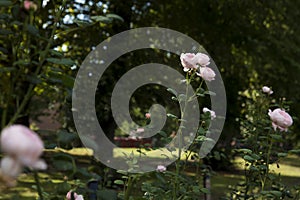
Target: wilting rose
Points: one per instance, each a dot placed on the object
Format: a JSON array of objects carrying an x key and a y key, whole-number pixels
[
  {"x": 189, "y": 61},
  {"x": 24, "y": 145},
  {"x": 207, "y": 73},
  {"x": 267, "y": 90},
  {"x": 212, "y": 113},
  {"x": 280, "y": 119},
  {"x": 161, "y": 168},
  {"x": 75, "y": 195}
]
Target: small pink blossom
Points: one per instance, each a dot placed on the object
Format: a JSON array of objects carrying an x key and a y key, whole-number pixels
[
  {"x": 148, "y": 115},
  {"x": 161, "y": 168},
  {"x": 207, "y": 73},
  {"x": 189, "y": 61},
  {"x": 75, "y": 195},
  {"x": 19, "y": 142},
  {"x": 212, "y": 113},
  {"x": 267, "y": 90},
  {"x": 30, "y": 5},
  {"x": 280, "y": 119}
]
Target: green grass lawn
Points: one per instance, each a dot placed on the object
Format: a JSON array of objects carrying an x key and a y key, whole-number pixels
[{"x": 289, "y": 168}]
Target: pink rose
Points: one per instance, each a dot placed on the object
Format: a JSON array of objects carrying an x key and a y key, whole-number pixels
[
  {"x": 75, "y": 195},
  {"x": 189, "y": 61},
  {"x": 212, "y": 113},
  {"x": 202, "y": 59},
  {"x": 148, "y": 115},
  {"x": 280, "y": 119},
  {"x": 161, "y": 168},
  {"x": 19, "y": 142},
  {"x": 207, "y": 73},
  {"x": 267, "y": 90}
]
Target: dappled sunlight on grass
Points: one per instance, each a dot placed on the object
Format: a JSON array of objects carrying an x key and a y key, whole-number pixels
[{"x": 289, "y": 166}]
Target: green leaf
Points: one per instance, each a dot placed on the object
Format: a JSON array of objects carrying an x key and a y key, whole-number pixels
[
  {"x": 81, "y": 23},
  {"x": 210, "y": 93},
  {"x": 205, "y": 190},
  {"x": 200, "y": 94},
  {"x": 253, "y": 168},
  {"x": 7, "y": 69},
  {"x": 61, "y": 61},
  {"x": 63, "y": 165},
  {"x": 56, "y": 53},
  {"x": 5, "y": 3},
  {"x": 5, "y": 32},
  {"x": 282, "y": 154},
  {"x": 172, "y": 116},
  {"x": 66, "y": 137},
  {"x": 244, "y": 150},
  {"x": 276, "y": 193},
  {"x": 32, "y": 30},
  {"x": 21, "y": 63},
  {"x": 172, "y": 91},
  {"x": 162, "y": 133},
  {"x": 255, "y": 156},
  {"x": 101, "y": 18},
  {"x": 249, "y": 158},
  {"x": 276, "y": 137},
  {"x": 119, "y": 182},
  {"x": 33, "y": 79},
  {"x": 296, "y": 151},
  {"x": 62, "y": 188},
  {"x": 3, "y": 50},
  {"x": 114, "y": 16},
  {"x": 58, "y": 77}
]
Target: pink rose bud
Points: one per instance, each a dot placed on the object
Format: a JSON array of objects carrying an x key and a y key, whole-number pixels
[
  {"x": 189, "y": 61},
  {"x": 148, "y": 115},
  {"x": 20, "y": 142},
  {"x": 212, "y": 113},
  {"x": 10, "y": 167},
  {"x": 30, "y": 5},
  {"x": 280, "y": 119},
  {"x": 207, "y": 73},
  {"x": 161, "y": 168},
  {"x": 267, "y": 90},
  {"x": 202, "y": 59}
]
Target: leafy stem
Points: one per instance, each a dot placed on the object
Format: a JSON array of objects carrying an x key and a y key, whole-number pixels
[
  {"x": 38, "y": 185},
  {"x": 43, "y": 56}
]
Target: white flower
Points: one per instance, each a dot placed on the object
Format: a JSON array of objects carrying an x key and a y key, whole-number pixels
[
  {"x": 267, "y": 90},
  {"x": 212, "y": 113},
  {"x": 161, "y": 168}
]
